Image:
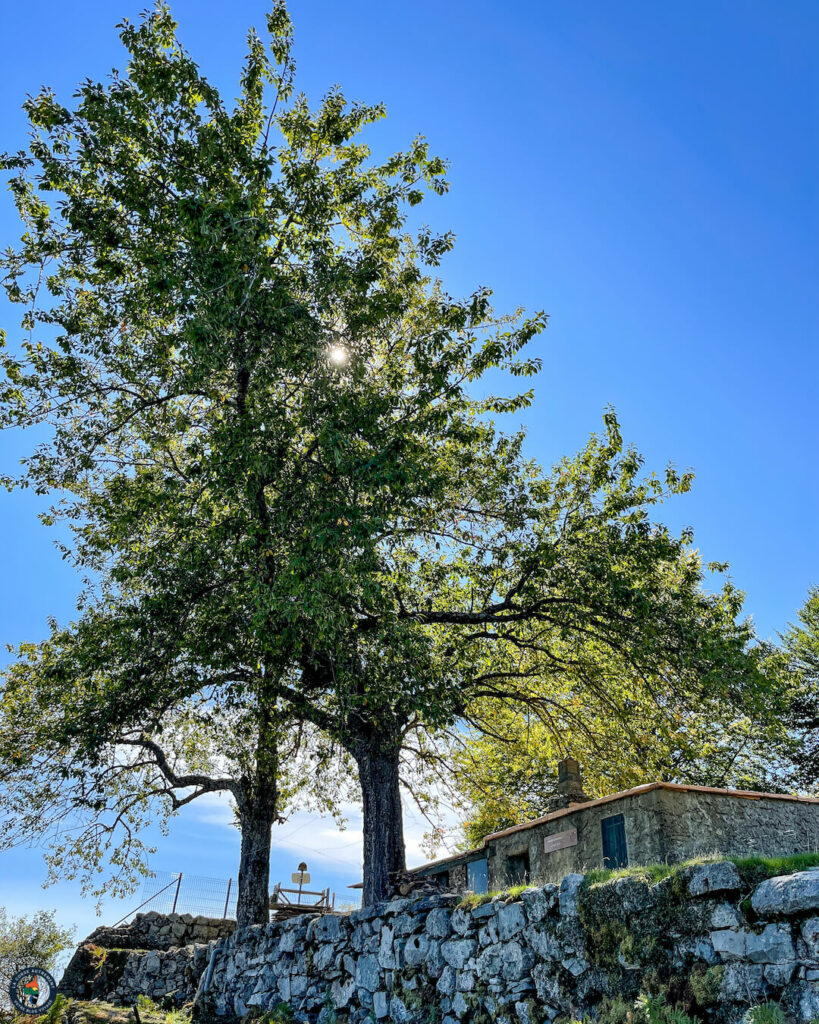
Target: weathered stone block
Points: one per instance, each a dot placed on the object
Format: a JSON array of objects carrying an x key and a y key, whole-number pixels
[
  {"x": 456, "y": 952},
  {"x": 714, "y": 878},
  {"x": 787, "y": 894},
  {"x": 368, "y": 973},
  {"x": 773, "y": 945},
  {"x": 729, "y": 943},
  {"x": 725, "y": 915},
  {"x": 810, "y": 935},
  {"x": 511, "y": 921},
  {"x": 439, "y": 923},
  {"x": 539, "y": 903},
  {"x": 569, "y": 895}
]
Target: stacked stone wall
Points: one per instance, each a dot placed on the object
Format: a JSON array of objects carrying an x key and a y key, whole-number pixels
[
  {"x": 703, "y": 938},
  {"x": 707, "y": 938},
  {"x": 158, "y": 955}
]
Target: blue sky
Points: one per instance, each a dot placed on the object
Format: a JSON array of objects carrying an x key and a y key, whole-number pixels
[{"x": 646, "y": 173}]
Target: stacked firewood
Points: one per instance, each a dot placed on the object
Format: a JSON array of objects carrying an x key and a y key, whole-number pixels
[{"x": 405, "y": 883}]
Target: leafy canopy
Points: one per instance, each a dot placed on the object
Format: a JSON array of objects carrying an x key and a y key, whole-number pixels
[{"x": 258, "y": 418}]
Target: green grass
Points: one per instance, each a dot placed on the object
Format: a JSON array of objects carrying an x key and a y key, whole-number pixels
[
  {"x": 751, "y": 869},
  {"x": 477, "y": 899}
]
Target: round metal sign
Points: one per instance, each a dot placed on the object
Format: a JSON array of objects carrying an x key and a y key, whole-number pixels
[{"x": 32, "y": 991}]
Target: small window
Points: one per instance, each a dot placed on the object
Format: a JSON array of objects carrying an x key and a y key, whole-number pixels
[
  {"x": 477, "y": 876},
  {"x": 517, "y": 868},
  {"x": 615, "y": 854}
]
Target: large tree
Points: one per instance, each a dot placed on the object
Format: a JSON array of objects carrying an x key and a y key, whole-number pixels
[
  {"x": 84, "y": 781},
  {"x": 258, "y": 411}
]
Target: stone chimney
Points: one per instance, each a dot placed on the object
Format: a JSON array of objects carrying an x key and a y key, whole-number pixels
[{"x": 569, "y": 785}]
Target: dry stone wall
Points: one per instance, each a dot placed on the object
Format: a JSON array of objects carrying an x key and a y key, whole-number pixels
[
  {"x": 158, "y": 955},
  {"x": 702, "y": 937},
  {"x": 706, "y": 937}
]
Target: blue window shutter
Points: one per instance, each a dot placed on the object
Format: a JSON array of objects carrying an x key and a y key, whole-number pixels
[{"x": 615, "y": 853}]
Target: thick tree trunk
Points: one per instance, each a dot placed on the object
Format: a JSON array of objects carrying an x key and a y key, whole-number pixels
[
  {"x": 256, "y": 822},
  {"x": 384, "y": 851}
]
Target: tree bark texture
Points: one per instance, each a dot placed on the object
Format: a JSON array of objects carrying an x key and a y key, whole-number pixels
[
  {"x": 384, "y": 852},
  {"x": 256, "y": 821}
]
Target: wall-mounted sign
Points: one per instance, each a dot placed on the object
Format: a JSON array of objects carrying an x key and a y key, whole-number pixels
[{"x": 560, "y": 840}]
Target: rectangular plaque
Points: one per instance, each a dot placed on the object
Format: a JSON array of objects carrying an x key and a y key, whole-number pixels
[{"x": 560, "y": 840}]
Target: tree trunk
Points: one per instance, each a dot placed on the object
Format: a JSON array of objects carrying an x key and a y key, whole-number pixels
[
  {"x": 255, "y": 822},
  {"x": 384, "y": 851}
]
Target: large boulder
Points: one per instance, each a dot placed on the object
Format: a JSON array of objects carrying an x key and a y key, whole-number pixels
[{"x": 787, "y": 894}]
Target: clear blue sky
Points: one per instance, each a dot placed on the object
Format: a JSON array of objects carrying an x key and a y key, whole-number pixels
[{"x": 646, "y": 173}]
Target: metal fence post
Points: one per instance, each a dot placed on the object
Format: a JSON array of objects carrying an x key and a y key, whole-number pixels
[
  {"x": 176, "y": 894},
  {"x": 227, "y": 899}
]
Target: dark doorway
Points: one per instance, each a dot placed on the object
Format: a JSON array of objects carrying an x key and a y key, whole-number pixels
[
  {"x": 517, "y": 868},
  {"x": 615, "y": 854}
]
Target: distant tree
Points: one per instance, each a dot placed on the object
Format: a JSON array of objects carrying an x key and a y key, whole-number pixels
[
  {"x": 799, "y": 658},
  {"x": 35, "y": 941},
  {"x": 258, "y": 411},
  {"x": 625, "y": 733}
]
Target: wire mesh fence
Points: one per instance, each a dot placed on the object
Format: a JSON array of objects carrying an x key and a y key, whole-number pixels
[
  {"x": 177, "y": 893},
  {"x": 168, "y": 892}
]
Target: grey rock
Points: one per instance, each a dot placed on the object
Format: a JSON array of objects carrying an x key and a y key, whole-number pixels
[
  {"x": 342, "y": 992},
  {"x": 801, "y": 998},
  {"x": 456, "y": 952},
  {"x": 729, "y": 943},
  {"x": 743, "y": 982},
  {"x": 466, "y": 981},
  {"x": 327, "y": 928},
  {"x": 539, "y": 903},
  {"x": 485, "y": 910},
  {"x": 725, "y": 915},
  {"x": 544, "y": 943},
  {"x": 323, "y": 958},
  {"x": 446, "y": 983},
  {"x": 511, "y": 921},
  {"x": 778, "y": 975},
  {"x": 569, "y": 895},
  {"x": 490, "y": 962},
  {"x": 461, "y": 921},
  {"x": 547, "y": 984},
  {"x": 773, "y": 945},
  {"x": 397, "y": 906},
  {"x": 517, "y": 962},
  {"x": 459, "y": 1006},
  {"x": 386, "y": 953},
  {"x": 435, "y": 962},
  {"x": 398, "y": 1011},
  {"x": 575, "y": 965},
  {"x": 810, "y": 935},
  {"x": 710, "y": 878},
  {"x": 381, "y": 1006},
  {"x": 416, "y": 950},
  {"x": 368, "y": 973},
  {"x": 439, "y": 923},
  {"x": 405, "y": 924},
  {"x": 787, "y": 894},
  {"x": 634, "y": 895}
]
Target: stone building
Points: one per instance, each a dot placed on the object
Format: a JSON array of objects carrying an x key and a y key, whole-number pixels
[{"x": 659, "y": 822}]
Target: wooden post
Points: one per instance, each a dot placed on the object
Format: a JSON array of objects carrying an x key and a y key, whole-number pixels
[{"x": 176, "y": 894}]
